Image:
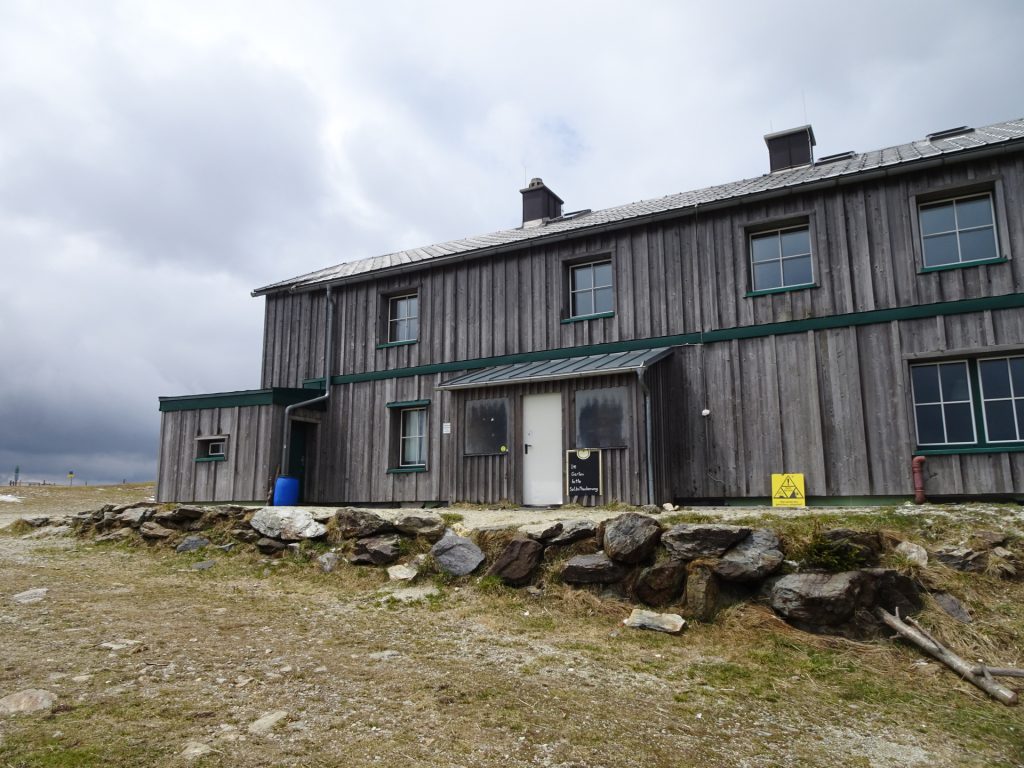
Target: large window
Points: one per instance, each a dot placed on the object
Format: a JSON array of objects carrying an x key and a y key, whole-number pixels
[
  {"x": 591, "y": 289},
  {"x": 977, "y": 403},
  {"x": 602, "y": 418},
  {"x": 486, "y": 427},
  {"x": 958, "y": 231},
  {"x": 781, "y": 259},
  {"x": 403, "y": 318},
  {"x": 408, "y": 444}
]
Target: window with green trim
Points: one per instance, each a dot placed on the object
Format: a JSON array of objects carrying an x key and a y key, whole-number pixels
[
  {"x": 781, "y": 258},
  {"x": 958, "y": 230},
  {"x": 403, "y": 318},
  {"x": 212, "y": 447},
  {"x": 973, "y": 403},
  {"x": 591, "y": 289},
  {"x": 412, "y": 437}
]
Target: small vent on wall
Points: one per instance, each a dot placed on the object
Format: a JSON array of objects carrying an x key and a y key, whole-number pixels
[{"x": 949, "y": 132}]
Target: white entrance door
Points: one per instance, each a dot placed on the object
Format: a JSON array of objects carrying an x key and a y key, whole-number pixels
[{"x": 542, "y": 449}]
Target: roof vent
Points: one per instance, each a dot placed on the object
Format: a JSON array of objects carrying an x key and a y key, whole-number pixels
[
  {"x": 949, "y": 133},
  {"x": 791, "y": 148},
  {"x": 834, "y": 158},
  {"x": 540, "y": 204}
]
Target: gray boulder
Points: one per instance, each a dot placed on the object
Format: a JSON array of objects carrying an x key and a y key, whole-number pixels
[
  {"x": 192, "y": 544},
  {"x": 953, "y": 607},
  {"x": 516, "y": 563},
  {"x": 456, "y": 554},
  {"x": 754, "y": 558},
  {"x": 573, "y": 531},
  {"x": 327, "y": 562},
  {"x": 361, "y": 523},
  {"x": 963, "y": 559},
  {"x": 426, "y": 524},
  {"x": 818, "y": 600},
  {"x": 118, "y": 534},
  {"x": 135, "y": 517},
  {"x": 154, "y": 531},
  {"x": 688, "y": 541},
  {"x": 376, "y": 550},
  {"x": 671, "y": 623},
  {"x": 270, "y": 546},
  {"x": 287, "y": 523},
  {"x": 631, "y": 538},
  {"x": 248, "y": 535},
  {"x": 593, "y": 569},
  {"x": 27, "y": 701},
  {"x": 542, "y": 531},
  {"x": 660, "y": 584},
  {"x": 178, "y": 515}
]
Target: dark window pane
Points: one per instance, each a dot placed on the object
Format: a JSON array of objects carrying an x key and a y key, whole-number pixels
[
  {"x": 767, "y": 276},
  {"x": 959, "y": 423},
  {"x": 764, "y": 247},
  {"x": 796, "y": 242},
  {"x": 937, "y": 218},
  {"x": 995, "y": 378},
  {"x": 603, "y": 300},
  {"x": 954, "y": 382},
  {"x": 929, "y": 424},
  {"x": 1017, "y": 375},
  {"x": 1020, "y": 418},
  {"x": 999, "y": 420},
  {"x": 601, "y": 418},
  {"x": 797, "y": 271},
  {"x": 582, "y": 304},
  {"x": 940, "y": 250},
  {"x": 486, "y": 427},
  {"x": 926, "y": 383},
  {"x": 603, "y": 274},
  {"x": 978, "y": 244},
  {"x": 976, "y": 212},
  {"x": 583, "y": 277}
]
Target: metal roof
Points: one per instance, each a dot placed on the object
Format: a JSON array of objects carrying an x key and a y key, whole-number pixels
[
  {"x": 903, "y": 154},
  {"x": 553, "y": 370}
]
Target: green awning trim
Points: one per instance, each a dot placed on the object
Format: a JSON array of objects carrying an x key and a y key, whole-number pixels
[{"x": 273, "y": 396}]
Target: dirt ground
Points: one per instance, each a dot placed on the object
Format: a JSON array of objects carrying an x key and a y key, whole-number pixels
[{"x": 149, "y": 658}]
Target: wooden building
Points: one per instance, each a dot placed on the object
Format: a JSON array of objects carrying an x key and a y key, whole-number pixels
[{"x": 834, "y": 317}]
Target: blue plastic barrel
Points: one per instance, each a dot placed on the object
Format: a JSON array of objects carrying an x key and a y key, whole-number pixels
[{"x": 286, "y": 491}]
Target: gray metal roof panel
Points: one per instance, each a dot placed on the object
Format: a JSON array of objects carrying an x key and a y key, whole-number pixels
[{"x": 999, "y": 133}]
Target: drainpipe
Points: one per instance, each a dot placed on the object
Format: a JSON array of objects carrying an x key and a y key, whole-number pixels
[
  {"x": 647, "y": 423},
  {"x": 917, "y": 467},
  {"x": 328, "y": 367}
]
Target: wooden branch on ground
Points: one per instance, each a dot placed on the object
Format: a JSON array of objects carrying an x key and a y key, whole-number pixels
[
  {"x": 983, "y": 669},
  {"x": 923, "y": 640}
]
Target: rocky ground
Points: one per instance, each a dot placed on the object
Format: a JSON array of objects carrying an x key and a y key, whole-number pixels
[{"x": 256, "y": 661}]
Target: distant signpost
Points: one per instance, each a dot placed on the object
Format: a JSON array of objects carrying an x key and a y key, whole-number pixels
[{"x": 71, "y": 478}]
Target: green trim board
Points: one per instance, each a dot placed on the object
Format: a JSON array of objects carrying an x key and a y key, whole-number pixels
[
  {"x": 784, "y": 289},
  {"x": 408, "y": 404},
  {"x": 584, "y": 318},
  {"x": 827, "y": 322},
  {"x": 387, "y": 344},
  {"x": 955, "y": 451},
  {"x": 405, "y": 470},
  {"x": 273, "y": 396},
  {"x": 210, "y": 458}
]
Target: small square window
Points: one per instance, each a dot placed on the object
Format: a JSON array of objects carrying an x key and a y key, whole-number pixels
[
  {"x": 591, "y": 289},
  {"x": 943, "y": 409},
  {"x": 781, "y": 258},
  {"x": 958, "y": 231},
  {"x": 212, "y": 448},
  {"x": 403, "y": 318}
]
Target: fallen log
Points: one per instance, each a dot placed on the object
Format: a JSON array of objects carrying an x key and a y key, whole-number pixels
[{"x": 923, "y": 640}]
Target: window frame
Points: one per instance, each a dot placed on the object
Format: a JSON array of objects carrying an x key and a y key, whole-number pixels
[
  {"x": 570, "y": 269},
  {"x": 387, "y": 318},
  {"x": 953, "y": 201},
  {"x": 942, "y": 403},
  {"x": 1014, "y": 397},
  {"x": 205, "y": 442},
  {"x": 398, "y": 412},
  {"x": 778, "y": 231},
  {"x": 991, "y": 185}
]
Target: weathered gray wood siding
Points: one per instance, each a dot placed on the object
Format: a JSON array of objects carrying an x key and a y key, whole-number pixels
[
  {"x": 253, "y": 454},
  {"x": 835, "y": 405},
  {"x": 687, "y": 275},
  {"x": 356, "y": 452}
]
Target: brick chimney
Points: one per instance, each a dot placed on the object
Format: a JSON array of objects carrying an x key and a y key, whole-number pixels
[
  {"x": 539, "y": 204},
  {"x": 791, "y": 148}
]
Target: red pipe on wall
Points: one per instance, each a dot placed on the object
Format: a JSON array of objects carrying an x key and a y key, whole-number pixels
[{"x": 917, "y": 467}]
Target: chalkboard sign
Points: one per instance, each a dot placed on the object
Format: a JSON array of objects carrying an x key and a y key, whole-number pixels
[{"x": 583, "y": 475}]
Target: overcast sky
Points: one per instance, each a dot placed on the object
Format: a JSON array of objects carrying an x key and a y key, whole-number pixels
[{"x": 159, "y": 160}]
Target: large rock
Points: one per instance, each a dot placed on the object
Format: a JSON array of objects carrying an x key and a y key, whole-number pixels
[
  {"x": 573, "y": 531},
  {"x": 135, "y": 517},
  {"x": 819, "y": 600},
  {"x": 516, "y": 563},
  {"x": 701, "y": 591},
  {"x": 963, "y": 559},
  {"x": 425, "y": 524},
  {"x": 361, "y": 523},
  {"x": 178, "y": 515},
  {"x": 892, "y": 591},
  {"x": 754, "y": 558},
  {"x": 456, "y": 554},
  {"x": 327, "y": 562},
  {"x": 192, "y": 544},
  {"x": 593, "y": 569},
  {"x": 376, "y": 550},
  {"x": 660, "y": 584},
  {"x": 269, "y": 546},
  {"x": 287, "y": 523},
  {"x": 542, "y": 531},
  {"x": 631, "y": 538},
  {"x": 688, "y": 541},
  {"x": 27, "y": 701},
  {"x": 672, "y": 623},
  {"x": 118, "y": 534},
  {"x": 914, "y": 553},
  {"x": 30, "y": 596},
  {"x": 155, "y": 531}
]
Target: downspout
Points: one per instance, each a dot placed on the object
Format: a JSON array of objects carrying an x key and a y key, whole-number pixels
[
  {"x": 917, "y": 468},
  {"x": 649, "y": 440},
  {"x": 328, "y": 367}
]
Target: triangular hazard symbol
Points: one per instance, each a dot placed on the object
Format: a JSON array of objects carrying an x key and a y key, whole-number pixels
[{"x": 788, "y": 490}]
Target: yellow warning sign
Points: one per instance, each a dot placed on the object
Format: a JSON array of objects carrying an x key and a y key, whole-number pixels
[{"x": 788, "y": 490}]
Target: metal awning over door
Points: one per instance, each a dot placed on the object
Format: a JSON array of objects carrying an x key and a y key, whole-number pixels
[{"x": 554, "y": 370}]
